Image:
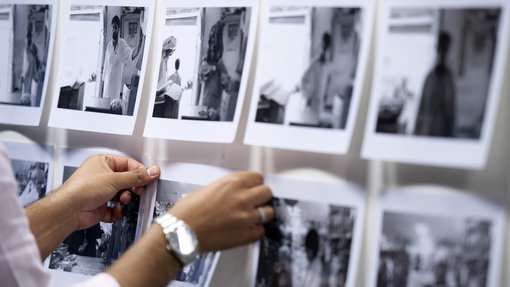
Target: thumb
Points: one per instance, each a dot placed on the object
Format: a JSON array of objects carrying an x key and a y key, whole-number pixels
[{"x": 135, "y": 178}]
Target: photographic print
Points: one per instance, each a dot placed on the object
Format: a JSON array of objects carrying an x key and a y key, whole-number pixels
[
  {"x": 104, "y": 54},
  {"x": 435, "y": 244},
  {"x": 176, "y": 181},
  {"x": 309, "y": 74},
  {"x": 204, "y": 58},
  {"x": 199, "y": 272},
  {"x": 32, "y": 165},
  {"x": 90, "y": 251},
  {"x": 28, "y": 30},
  {"x": 437, "y": 78},
  {"x": 311, "y": 242}
]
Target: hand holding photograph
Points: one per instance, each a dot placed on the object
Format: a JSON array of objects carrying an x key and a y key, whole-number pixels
[
  {"x": 28, "y": 28},
  {"x": 309, "y": 74},
  {"x": 312, "y": 241},
  {"x": 437, "y": 82},
  {"x": 433, "y": 236},
  {"x": 103, "y": 66},
  {"x": 204, "y": 63}
]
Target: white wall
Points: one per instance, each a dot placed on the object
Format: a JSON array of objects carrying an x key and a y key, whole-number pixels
[{"x": 491, "y": 181}]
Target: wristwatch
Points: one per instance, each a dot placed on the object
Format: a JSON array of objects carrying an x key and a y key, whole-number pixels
[{"x": 181, "y": 240}]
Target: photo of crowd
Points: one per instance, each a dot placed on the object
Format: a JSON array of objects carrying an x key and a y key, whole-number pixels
[
  {"x": 25, "y": 30},
  {"x": 444, "y": 93},
  {"x": 32, "y": 179},
  {"x": 424, "y": 250},
  {"x": 308, "y": 244},
  {"x": 307, "y": 67},
  {"x": 202, "y": 62},
  {"x": 104, "y": 48},
  {"x": 90, "y": 251},
  {"x": 168, "y": 193}
]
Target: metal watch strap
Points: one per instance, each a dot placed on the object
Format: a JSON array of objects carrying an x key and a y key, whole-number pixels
[{"x": 170, "y": 224}]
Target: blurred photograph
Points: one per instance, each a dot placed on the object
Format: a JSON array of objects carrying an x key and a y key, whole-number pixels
[
  {"x": 24, "y": 54},
  {"x": 202, "y": 63},
  {"x": 32, "y": 179},
  {"x": 199, "y": 272},
  {"x": 308, "y": 66},
  {"x": 102, "y": 60},
  {"x": 444, "y": 92},
  {"x": 90, "y": 251},
  {"x": 308, "y": 244},
  {"x": 424, "y": 250}
]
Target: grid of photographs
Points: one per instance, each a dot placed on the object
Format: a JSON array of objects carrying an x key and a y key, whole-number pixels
[
  {"x": 444, "y": 103},
  {"x": 311, "y": 242},
  {"x": 423, "y": 241},
  {"x": 100, "y": 79},
  {"x": 28, "y": 30},
  {"x": 309, "y": 74},
  {"x": 204, "y": 58},
  {"x": 90, "y": 251},
  {"x": 33, "y": 169}
]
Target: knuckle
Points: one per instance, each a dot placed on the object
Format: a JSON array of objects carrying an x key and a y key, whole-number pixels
[{"x": 139, "y": 174}]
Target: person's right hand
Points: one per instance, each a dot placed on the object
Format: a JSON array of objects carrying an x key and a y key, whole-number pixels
[{"x": 224, "y": 214}]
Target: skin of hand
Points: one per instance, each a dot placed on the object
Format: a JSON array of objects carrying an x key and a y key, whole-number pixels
[
  {"x": 102, "y": 178},
  {"x": 224, "y": 214}
]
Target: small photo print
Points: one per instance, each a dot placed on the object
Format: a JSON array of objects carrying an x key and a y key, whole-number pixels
[
  {"x": 102, "y": 61},
  {"x": 24, "y": 53},
  {"x": 202, "y": 63},
  {"x": 90, "y": 251},
  {"x": 199, "y": 272},
  {"x": 32, "y": 179},
  {"x": 444, "y": 92},
  {"x": 308, "y": 244},
  {"x": 308, "y": 65},
  {"x": 426, "y": 250}
]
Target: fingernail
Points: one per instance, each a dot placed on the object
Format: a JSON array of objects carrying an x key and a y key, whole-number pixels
[{"x": 152, "y": 170}]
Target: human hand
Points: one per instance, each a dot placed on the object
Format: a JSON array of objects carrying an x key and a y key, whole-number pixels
[
  {"x": 224, "y": 214},
  {"x": 102, "y": 178}
]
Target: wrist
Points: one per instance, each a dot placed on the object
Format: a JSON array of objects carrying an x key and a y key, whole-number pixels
[{"x": 69, "y": 206}]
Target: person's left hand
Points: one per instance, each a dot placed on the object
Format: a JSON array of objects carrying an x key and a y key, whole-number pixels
[{"x": 102, "y": 178}]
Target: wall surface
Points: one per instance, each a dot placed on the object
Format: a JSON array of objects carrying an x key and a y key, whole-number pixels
[{"x": 492, "y": 181}]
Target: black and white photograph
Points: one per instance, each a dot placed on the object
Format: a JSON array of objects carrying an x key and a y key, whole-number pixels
[
  {"x": 309, "y": 74},
  {"x": 199, "y": 272},
  {"x": 437, "y": 236},
  {"x": 32, "y": 179},
  {"x": 28, "y": 29},
  {"x": 105, "y": 51},
  {"x": 313, "y": 240},
  {"x": 438, "y": 76},
  {"x": 32, "y": 165},
  {"x": 308, "y": 244},
  {"x": 90, "y": 251},
  {"x": 204, "y": 57},
  {"x": 417, "y": 250}
]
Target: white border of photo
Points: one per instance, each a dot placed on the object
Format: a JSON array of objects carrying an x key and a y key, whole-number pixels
[
  {"x": 458, "y": 153},
  {"x": 330, "y": 191},
  {"x": 24, "y": 115},
  {"x": 198, "y": 174},
  {"x": 92, "y": 121},
  {"x": 332, "y": 141},
  {"x": 437, "y": 201},
  {"x": 201, "y": 131}
]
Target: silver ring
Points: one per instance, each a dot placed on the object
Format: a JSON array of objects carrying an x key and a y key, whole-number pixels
[{"x": 263, "y": 216}]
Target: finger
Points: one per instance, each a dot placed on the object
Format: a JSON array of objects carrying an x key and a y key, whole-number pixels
[
  {"x": 122, "y": 163},
  {"x": 259, "y": 195},
  {"x": 135, "y": 178},
  {"x": 125, "y": 197},
  {"x": 251, "y": 234},
  {"x": 116, "y": 213},
  {"x": 257, "y": 218},
  {"x": 248, "y": 178}
]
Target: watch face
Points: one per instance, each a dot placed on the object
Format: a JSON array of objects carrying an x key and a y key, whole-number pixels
[{"x": 183, "y": 241}]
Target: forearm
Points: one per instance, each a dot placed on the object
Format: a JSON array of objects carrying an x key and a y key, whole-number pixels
[
  {"x": 51, "y": 220},
  {"x": 147, "y": 262}
]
